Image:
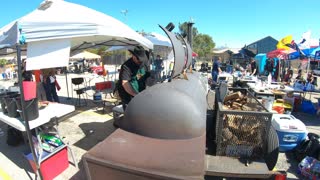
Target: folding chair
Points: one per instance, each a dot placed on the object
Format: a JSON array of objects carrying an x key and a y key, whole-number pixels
[{"x": 80, "y": 90}]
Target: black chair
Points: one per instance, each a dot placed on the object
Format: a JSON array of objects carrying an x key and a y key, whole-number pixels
[{"x": 80, "y": 90}]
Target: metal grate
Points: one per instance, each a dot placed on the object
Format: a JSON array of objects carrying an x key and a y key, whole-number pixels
[{"x": 242, "y": 133}]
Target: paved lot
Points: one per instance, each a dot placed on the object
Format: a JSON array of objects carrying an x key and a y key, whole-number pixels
[{"x": 87, "y": 126}]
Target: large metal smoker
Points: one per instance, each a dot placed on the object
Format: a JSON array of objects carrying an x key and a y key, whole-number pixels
[{"x": 163, "y": 133}]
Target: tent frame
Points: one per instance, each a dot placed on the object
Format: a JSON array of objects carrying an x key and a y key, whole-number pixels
[{"x": 24, "y": 114}]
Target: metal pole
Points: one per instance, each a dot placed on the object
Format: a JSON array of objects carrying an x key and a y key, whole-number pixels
[
  {"x": 67, "y": 84},
  {"x": 308, "y": 65},
  {"x": 190, "y": 33},
  {"x": 25, "y": 115}
]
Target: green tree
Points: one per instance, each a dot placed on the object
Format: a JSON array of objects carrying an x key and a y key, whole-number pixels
[
  {"x": 203, "y": 45},
  {"x": 183, "y": 30},
  {"x": 3, "y": 62}
]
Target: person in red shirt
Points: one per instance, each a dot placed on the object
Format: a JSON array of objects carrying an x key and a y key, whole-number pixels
[{"x": 41, "y": 93}]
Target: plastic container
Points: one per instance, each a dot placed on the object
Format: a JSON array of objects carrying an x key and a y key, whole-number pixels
[
  {"x": 32, "y": 108},
  {"x": 29, "y": 90},
  {"x": 268, "y": 103},
  {"x": 291, "y": 131},
  {"x": 279, "y": 109},
  {"x": 97, "y": 96},
  {"x": 11, "y": 105},
  {"x": 3, "y": 95},
  {"x": 52, "y": 166}
]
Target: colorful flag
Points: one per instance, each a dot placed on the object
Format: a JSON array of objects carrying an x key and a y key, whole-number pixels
[
  {"x": 282, "y": 44},
  {"x": 305, "y": 40}
]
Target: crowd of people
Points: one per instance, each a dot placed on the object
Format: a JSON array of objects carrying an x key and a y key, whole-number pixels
[{"x": 272, "y": 67}]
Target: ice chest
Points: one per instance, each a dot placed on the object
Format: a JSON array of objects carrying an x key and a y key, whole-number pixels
[
  {"x": 291, "y": 131},
  {"x": 53, "y": 163}
]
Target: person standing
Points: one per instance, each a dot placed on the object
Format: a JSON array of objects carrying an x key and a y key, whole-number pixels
[
  {"x": 216, "y": 69},
  {"x": 254, "y": 67},
  {"x": 41, "y": 93},
  {"x": 269, "y": 66},
  {"x": 158, "y": 63},
  {"x": 133, "y": 75},
  {"x": 50, "y": 86},
  {"x": 193, "y": 62}
]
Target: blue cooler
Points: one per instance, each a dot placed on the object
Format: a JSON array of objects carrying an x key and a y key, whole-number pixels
[{"x": 291, "y": 131}]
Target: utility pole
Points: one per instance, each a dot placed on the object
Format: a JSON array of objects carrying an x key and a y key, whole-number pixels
[{"x": 190, "y": 32}]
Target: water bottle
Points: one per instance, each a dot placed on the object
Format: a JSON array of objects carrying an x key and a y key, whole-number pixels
[
  {"x": 97, "y": 96},
  {"x": 269, "y": 79}
]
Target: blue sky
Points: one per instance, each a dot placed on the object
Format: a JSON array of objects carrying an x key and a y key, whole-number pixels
[{"x": 231, "y": 23}]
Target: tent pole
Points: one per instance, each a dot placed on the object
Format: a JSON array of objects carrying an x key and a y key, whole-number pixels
[
  {"x": 67, "y": 84},
  {"x": 308, "y": 65},
  {"x": 25, "y": 115}
]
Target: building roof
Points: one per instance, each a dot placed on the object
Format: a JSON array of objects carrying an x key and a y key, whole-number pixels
[
  {"x": 262, "y": 39},
  {"x": 220, "y": 51}
]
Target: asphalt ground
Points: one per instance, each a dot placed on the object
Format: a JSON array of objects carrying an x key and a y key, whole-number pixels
[{"x": 89, "y": 125}]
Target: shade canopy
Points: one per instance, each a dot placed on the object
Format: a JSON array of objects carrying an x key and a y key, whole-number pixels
[
  {"x": 315, "y": 53},
  {"x": 57, "y": 19},
  {"x": 279, "y": 53},
  {"x": 155, "y": 38},
  {"x": 158, "y": 39},
  {"x": 85, "y": 55},
  {"x": 296, "y": 54},
  {"x": 194, "y": 54}
]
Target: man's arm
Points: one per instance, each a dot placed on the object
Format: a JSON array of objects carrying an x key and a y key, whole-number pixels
[
  {"x": 219, "y": 68},
  {"x": 128, "y": 88},
  {"x": 254, "y": 71}
]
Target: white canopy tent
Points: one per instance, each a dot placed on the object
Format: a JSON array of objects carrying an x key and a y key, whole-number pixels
[
  {"x": 85, "y": 55},
  {"x": 56, "y": 27},
  {"x": 155, "y": 38},
  {"x": 158, "y": 39},
  {"x": 69, "y": 25}
]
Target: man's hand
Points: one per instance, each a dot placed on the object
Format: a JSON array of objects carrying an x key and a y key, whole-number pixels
[{"x": 128, "y": 88}]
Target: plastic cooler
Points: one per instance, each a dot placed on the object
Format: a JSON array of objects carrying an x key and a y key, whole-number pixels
[{"x": 291, "y": 131}]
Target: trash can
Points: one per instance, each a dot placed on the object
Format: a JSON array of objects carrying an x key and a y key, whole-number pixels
[
  {"x": 291, "y": 131},
  {"x": 32, "y": 109},
  {"x": 11, "y": 106},
  {"x": 3, "y": 95}
]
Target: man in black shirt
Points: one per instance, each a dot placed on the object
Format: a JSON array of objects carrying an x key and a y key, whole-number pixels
[
  {"x": 254, "y": 67},
  {"x": 133, "y": 75}
]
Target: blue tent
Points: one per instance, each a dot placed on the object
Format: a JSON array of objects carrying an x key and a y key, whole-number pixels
[
  {"x": 261, "y": 61},
  {"x": 296, "y": 55},
  {"x": 315, "y": 53}
]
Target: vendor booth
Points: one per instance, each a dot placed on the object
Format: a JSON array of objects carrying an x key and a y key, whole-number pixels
[{"x": 60, "y": 27}]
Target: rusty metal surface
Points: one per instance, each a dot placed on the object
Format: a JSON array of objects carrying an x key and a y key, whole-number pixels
[
  {"x": 143, "y": 156},
  {"x": 234, "y": 167}
]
